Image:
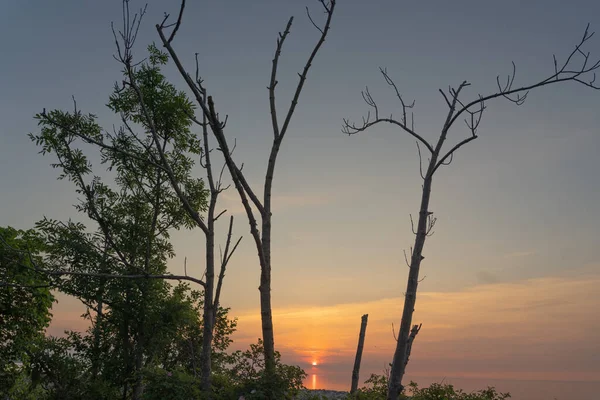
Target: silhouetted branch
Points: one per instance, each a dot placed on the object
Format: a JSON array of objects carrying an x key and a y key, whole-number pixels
[
  {"x": 351, "y": 128},
  {"x": 127, "y": 276},
  {"x": 411, "y": 338},
  {"x": 225, "y": 260},
  {"x": 273, "y": 82}
]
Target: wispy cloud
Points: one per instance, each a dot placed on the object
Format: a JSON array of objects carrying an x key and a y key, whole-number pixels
[{"x": 534, "y": 329}]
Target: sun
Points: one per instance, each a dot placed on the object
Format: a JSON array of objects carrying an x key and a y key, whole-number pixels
[{"x": 314, "y": 363}]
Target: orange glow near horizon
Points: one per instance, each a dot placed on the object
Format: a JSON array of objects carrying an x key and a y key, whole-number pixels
[
  {"x": 465, "y": 329},
  {"x": 314, "y": 335}
]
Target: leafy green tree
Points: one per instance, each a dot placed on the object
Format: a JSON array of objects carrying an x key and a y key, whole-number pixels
[
  {"x": 25, "y": 300},
  {"x": 155, "y": 136},
  {"x": 118, "y": 268}
]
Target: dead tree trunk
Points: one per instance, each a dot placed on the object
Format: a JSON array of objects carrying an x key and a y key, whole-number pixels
[
  {"x": 359, "y": 350},
  {"x": 569, "y": 71},
  {"x": 248, "y": 196}
]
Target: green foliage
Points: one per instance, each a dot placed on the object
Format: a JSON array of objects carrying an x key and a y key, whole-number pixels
[
  {"x": 54, "y": 366},
  {"x": 377, "y": 385},
  {"x": 440, "y": 391},
  {"x": 246, "y": 371},
  {"x": 135, "y": 324},
  {"x": 144, "y": 333},
  {"x": 376, "y": 388},
  {"x": 160, "y": 384},
  {"x": 22, "y": 389},
  {"x": 25, "y": 300}
]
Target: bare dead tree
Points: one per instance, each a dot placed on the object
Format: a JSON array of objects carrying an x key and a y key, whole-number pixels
[
  {"x": 577, "y": 68},
  {"x": 359, "y": 350},
  {"x": 248, "y": 196}
]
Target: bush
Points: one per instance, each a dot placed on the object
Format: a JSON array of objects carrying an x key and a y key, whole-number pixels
[
  {"x": 375, "y": 389},
  {"x": 377, "y": 385},
  {"x": 169, "y": 385},
  {"x": 246, "y": 371}
]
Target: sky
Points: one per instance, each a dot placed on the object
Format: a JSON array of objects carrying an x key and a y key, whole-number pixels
[{"x": 509, "y": 295}]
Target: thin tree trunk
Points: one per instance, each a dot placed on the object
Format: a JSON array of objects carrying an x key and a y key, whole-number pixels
[
  {"x": 410, "y": 298},
  {"x": 265, "y": 273},
  {"x": 126, "y": 345},
  {"x": 262, "y": 239},
  {"x": 96, "y": 345},
  {"x": 138, "y": 387},
  {"x": 209, "y": 317},
  {"x": 139, "y": 355},
  {"x": 267, "y": 320},
  {"x": 359, "y": 350},
  {"x": 99, "y": 319}
]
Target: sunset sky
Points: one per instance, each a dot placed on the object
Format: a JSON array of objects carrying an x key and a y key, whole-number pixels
[{"x": 510, "y": 295}]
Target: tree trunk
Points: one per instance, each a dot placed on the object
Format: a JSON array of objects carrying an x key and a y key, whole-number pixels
[
  {"x": 398, "y": 363},
  {"x": 139, "y": 356},
  {"x": 265, "y": 300},
  {"x": 265, "y": 273},
  {"x": 209, "y": 311},
  {"x": 97, "y": 332},
  {"x": 138, "y": 387},
  {"x": 359, "y": 350}
]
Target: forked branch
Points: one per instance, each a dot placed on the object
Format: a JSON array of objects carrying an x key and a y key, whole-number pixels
[{"x": 351, "y": 128}]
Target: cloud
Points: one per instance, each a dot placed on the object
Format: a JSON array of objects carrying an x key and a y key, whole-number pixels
[
  {"x": 542, "y": 329},
  {"x": 536, "y": 329}
]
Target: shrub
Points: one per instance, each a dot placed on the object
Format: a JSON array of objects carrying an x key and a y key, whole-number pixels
[
  {"x": 376, "y": 389},
  {"x": 169, "y": 385}
]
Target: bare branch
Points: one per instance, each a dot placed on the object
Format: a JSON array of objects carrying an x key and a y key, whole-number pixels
[
  {"x": 564, "y": 73},
  {"x": 412, "y": 224},
  {"x": 406, "y": 259},
  {"x": 224, "y": 261},
  {"x": 430, "y": 224},
  {"x": 24, "y": 286},
  {"x": 329, "y": 11},
  {"x": 130, "y": 276},
  {"x": 445, "y": 98},
  {"x": 420, "y": 160},
  {"x": 405, "y": 106},
  {"x": 313, "y": 22},
  {"x": 273, "y": 83},
  {"x": 451, "y": 152},
  {"x": 178, "y": 23},
  {"x": 411, "y": 338},
  {"x": 351, "y": 128},
  {"x": 218, "y": 215},
  {"x": 248, "y": 189}
]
